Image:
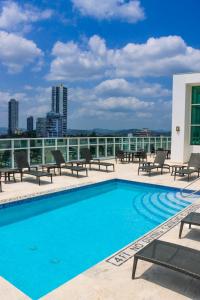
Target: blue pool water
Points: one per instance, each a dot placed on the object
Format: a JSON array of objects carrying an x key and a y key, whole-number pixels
[{"x": 51, "y": 239}]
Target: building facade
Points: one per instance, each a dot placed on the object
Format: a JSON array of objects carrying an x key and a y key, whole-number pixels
[
  {"x": 30, "y": 125},
  {"x": 59, "y": 104},
  {"x": 41, "y": 127},
  {"x": 185, "y": 116},
  {"x": 54, "y": 125},
  {"x": 13, "y": 116}
]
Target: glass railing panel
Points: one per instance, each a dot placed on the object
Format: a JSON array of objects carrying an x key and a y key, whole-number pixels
[
  {"x": 110, "y": 140},
  {"x": 93, "y": 141},
  {"x": 36, "y": 156},
  {"x": 5, "y": 144},
  {"x": 82, "y": 151},
  {"x": 102, "y": 151},
  {"x": 49, "y": 142},
  {"x": 133, "y": 147},
  {"x": 73, "y": 153},
  {"x": 61, "y": 142},
  {"x": 102, "y": 141},
  {"x": 5, "y": 159},
  {"x": 93, "y": 151},
  {"x": 84, "y": 141},
  {"x": 110, "y": 150},
  {"x": 36, "y": 143},
  {"x": 20, "y": 143},
  {"x": 118, "y": 140},
  {"x": 73, "y": 142}
]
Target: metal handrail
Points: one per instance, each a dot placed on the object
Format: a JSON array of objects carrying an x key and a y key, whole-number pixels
[{"x": 191, "y": 194}]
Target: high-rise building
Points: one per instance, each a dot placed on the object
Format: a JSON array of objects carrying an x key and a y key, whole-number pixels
[
  {"x": 54, "y": 124},
  {"x": 59, "y": 104},
  {"x": 41, "y": 127},
  {"x": 30, "y": 126},
  {"x": 13, "y": 116}
]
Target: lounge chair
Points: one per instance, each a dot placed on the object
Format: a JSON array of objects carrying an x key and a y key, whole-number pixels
[
  {"x": 192, "y": 167},
  {"x": 192, "y": 219},
  {"x": 24, "y": 167},
  {"x": 121, "y": 156},
  {"x": 88, "y": 159},
  {"x": 159, "y": 163},
  {"x": 141, "y": 155},
  {"x": 62, "y": 164},
  {"x": 172, "y": 256}
]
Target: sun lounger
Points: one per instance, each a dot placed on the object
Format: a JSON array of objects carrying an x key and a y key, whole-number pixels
[
  {"x": 88, "y": 160},
  {"x": 62, "y": 164},
  {"x": 159, "y": 163},
  {"x": 192, "y": 219},
  {"x": 25, "y": 168},
  {"x": 172, "y": 256},
  {"x": 192, "y": 167}
]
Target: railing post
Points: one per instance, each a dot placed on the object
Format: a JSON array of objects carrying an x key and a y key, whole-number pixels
[
  {"x": 97, "y": 145},
  {"x": 12, "y": 154},
  {"x": 78, "y": 140},
  {"x": 28, "y": 151},
  {"x": 43, "y": 153}
]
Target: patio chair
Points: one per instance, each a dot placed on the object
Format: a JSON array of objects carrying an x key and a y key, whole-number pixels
[
  {"x": 159, "y": 163},
  {"x": 24, "y": 167},
  {"x": 88, "y": 159},
  {"x": 120, "y": 155},
  {"x": 192, "y": 167},
  {"x": 141, "y": 155},
  {"x": 172, "y": 256},
  {"x": 62, "y": 164},
  {"x": 192, "y": 219}
]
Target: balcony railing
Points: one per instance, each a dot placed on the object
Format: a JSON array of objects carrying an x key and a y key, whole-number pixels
[{"x": 39, "y": 149}]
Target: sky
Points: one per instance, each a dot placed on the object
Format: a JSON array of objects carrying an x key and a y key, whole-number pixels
[{"x": 117, "y": 58}]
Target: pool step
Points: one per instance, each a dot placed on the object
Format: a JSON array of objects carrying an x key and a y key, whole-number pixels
[{"x": 158, "y": 207}]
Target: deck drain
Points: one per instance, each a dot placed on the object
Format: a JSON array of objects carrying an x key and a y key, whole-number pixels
[
  {"x": 55, "y": 261},
  {"x": 33, "y": 248}
]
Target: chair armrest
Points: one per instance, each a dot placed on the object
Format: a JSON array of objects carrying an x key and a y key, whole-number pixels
[
  {"x": 35, "y": 167},
  {"x": 145, "y": 163},
  {"x": 96, "y": 159}
]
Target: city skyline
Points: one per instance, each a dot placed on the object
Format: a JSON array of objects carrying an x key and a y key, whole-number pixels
[{"x": 117, "y": 58}]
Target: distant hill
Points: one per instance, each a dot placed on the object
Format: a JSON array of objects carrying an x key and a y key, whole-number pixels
[{"x": 110, "y": 132}]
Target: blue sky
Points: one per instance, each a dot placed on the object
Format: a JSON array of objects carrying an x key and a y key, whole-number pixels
[{"x": 116, "y": 57}]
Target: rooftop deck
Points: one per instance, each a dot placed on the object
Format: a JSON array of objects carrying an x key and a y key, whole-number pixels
[{"x": 106, "y": 281}]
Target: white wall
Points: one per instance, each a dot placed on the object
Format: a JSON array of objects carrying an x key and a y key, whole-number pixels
[{"x": 181, "y": 115}]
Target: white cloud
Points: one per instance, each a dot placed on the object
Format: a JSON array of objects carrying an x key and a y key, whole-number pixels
[
  {"x": 157, "y": 57},
  {"x": 130, "y": 11},
  {"x": 14, "y": 17},
  {"x": 120, "y": 99},
  {"x": 17, "y": 52},
  {"x": 122, "y": 87}
]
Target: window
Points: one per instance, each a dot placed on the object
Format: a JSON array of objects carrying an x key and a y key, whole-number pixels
[{"x": 195, "y": 116}]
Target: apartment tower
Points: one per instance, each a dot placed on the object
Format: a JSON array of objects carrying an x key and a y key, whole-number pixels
[
  {"x": 13, "y": 116},
  {"x": 59, "y": 104}
]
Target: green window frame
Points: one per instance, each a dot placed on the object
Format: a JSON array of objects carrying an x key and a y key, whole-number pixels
[{"x": 195, "y": 116}]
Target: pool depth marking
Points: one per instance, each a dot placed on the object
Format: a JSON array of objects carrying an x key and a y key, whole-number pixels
[{"x": 128, "y": 252}]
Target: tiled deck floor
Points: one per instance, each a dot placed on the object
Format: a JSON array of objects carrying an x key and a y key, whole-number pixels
[{"x": 105, "y": 281}]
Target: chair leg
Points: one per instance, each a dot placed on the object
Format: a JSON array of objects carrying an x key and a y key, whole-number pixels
[
  {"x": 134, "y": 267},
  {"x": 51, "y": 177},
  {"x": 181, "y": 229},
  {"x": 39, "y": 180}
]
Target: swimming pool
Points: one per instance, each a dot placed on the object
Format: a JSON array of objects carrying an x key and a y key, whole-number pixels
[{"x": 50, "y": 239}]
